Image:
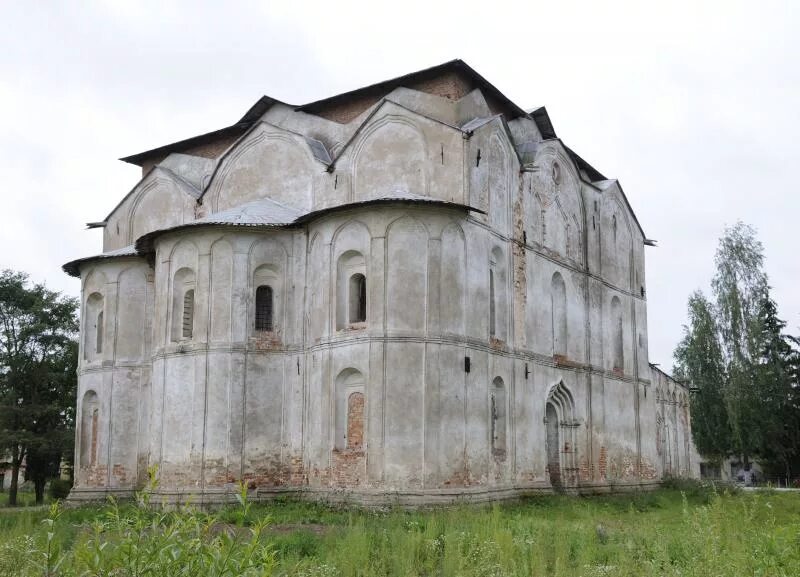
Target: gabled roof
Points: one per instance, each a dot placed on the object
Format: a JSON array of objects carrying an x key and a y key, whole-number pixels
[
  {"x": 378, "y": 91},
  {"x": 383, "y": 88}
]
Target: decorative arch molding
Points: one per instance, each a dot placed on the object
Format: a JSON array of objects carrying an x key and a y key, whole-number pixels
[
  {"x": 375, "y": 126},
  {"x": 406, "y": 294},
  {"x": 559, "y": 185},
  {"x": 260, "y": 133},
  {"x": 150, "y": 184}
]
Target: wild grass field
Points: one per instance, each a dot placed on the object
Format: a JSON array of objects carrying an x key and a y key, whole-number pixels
[{"x": 697, "y": 531}]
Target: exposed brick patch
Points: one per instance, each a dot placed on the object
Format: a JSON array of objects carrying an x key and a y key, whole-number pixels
[
  {"x": 586, "y": 470},
  {"x": 344, "y": 112},
  {"x": 211, "y": 150},
  {"x": 264, "y": 341},
  {"x": 120, "y": 473},
  {"x": 451, "y": 85},
  {"x": 355, "y": 421},
  {"x": 603, "y": 463},
  {"x": 348, "y": 468},
  {"x": 648, "y": 470}
]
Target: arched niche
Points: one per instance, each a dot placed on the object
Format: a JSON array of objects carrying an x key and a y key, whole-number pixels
[
  {"x": 131, "y": 314},
  {"x": 90, "y": 429},
  {"x": 349, "y": 405},
  {"x": 407, "y": 275},
  {"x": 94, "y": 327},
  {"x": 558, "y": 303},
  {"x": 452, "y": 287},
  {"x": 221, "y": 290},
  {"x": 498, "y": 295},
  {"x": 499, "y": 185},
  {"x": 390, "y": 159},
  {"x": 616, "y": 243},
  {"x": 617, "y": 336}
]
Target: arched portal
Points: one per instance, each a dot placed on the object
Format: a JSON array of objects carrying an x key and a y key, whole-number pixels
[
  {"x": 561, "y": 427},
  {"x": 552, "y": 439}
]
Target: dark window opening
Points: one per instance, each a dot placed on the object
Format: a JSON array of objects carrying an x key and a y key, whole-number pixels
[
  {"x": 358, "y": 298},
  {"x": 264, "y": 309},
  {"x": 188, "y": 313}
]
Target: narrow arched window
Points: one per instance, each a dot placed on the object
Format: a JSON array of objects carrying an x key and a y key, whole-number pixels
[
  {"x": 492, "y": 312},
  {"x": 358, "y": 298},
  {"x": 614, "y": 226},
  {"x": 617, "y": 335},
  {"x": 264, "y": 309},
  {"x": 558, "y": 299},
  {"x": 99, "y": 336},
  {"x": 188, "y": 314},
  {"x": 497, "y": 408}
]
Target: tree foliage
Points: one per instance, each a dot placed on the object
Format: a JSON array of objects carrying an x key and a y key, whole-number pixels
[
  {"x": 743, "y": 368},
  {"x": 38, "y": 360}
]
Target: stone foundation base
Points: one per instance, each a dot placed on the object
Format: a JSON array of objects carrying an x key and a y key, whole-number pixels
[{"x": 369, "y": 498}]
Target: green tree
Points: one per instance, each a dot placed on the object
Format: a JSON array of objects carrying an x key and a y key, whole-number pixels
[
  {"x": 700, "y": 361},
  {"x": 38, "y": 357},
  {"x": 774, "y": 375},
  {"x": 740, "y": 286},
  {"x": 744, "y": 369}
]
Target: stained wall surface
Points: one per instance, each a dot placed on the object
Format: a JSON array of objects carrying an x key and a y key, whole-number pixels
[{"x": 455, "y": 308}]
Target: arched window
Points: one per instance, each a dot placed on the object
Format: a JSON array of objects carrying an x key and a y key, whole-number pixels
[
  {"x": 264, "y": 309},
  {"x": 492, "y": 312},
  {"x": 99, "y": 338},
  {"x": 183, "y": 305},
  {"x": 558, "y": 298},
  {"x": 614, "y": 226},
  {"x": 188, "y": 314},
  {"x": 357, "y": 298},
  {"x": 93, "y": 331},
  {"x": 617, "y": 340},
  {"x": 498, "y": 410},
  {"x": 351, "y": 290}
]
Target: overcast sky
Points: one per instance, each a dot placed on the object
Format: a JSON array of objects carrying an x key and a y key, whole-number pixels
[{"x": 693, "y": 106}]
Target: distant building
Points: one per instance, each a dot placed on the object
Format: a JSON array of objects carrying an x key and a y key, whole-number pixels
[{"x": 412, "y": 292}]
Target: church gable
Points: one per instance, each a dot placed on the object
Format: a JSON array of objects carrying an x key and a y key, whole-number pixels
[
  {"x": 160, "y": 200},
  {"x": 268, "y": 162},
  {"x": 557, "y": 210}
]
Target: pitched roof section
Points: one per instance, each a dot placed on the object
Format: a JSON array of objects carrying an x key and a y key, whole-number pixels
[
  {"x": 451, "y": 80},
  {"x": 268, "y": 213},
  {"x": 458, "y": 79},
  {"x": 72, "y": 268}
]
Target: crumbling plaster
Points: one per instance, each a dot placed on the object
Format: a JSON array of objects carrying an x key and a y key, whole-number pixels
[{"x": 461, "y": 311}]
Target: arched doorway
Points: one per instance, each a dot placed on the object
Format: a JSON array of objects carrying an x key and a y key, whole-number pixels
[
  {"x": 560, "y": 437},
  {"x": 553, "y": 444}
]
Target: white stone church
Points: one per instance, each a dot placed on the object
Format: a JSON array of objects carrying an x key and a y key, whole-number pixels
[{"x": 410, "y": 293}]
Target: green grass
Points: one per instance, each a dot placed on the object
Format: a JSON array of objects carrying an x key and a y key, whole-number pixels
[{"x": 689, "y": 532}]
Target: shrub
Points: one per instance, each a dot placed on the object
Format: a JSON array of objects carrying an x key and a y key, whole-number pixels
[{"x": 59, "y": 489}]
